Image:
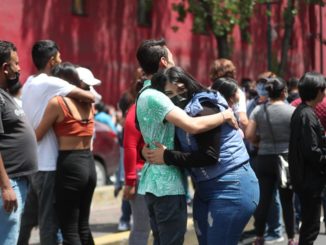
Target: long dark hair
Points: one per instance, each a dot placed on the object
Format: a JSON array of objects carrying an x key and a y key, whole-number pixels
[
  {"x": 67, "y": 71},
  {"x": 176, "y": 74},
  {"x": 275, "y": 86},
  {"x": 226, "y": 86}
]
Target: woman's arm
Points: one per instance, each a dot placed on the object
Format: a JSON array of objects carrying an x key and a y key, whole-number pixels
[
  {"x": 195, "y": 125},
  {"x": 50, "y": 116},
  {"x": 132, "y": 142},
  {"x": 250, "y": 133}
]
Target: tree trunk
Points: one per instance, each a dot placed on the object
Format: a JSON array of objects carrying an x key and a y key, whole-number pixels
[
  {"x": 289, "y": 22},
  {"x": 223, "y": 46}
]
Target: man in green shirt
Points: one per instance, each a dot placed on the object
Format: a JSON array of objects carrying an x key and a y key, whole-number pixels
[{"x": 162, "y": 185}]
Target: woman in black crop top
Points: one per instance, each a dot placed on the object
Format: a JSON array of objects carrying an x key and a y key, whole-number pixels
[{"x": 75, "y": 175}]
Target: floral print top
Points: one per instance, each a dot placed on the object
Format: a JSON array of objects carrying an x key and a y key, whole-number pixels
[{"x": 160, "y": 180}]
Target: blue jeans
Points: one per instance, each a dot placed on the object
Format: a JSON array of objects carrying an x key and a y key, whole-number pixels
[
  {"x": 125, "y": 211},
  {"x": 223, "y": 206},
  {"x": 10, "y": 222}
]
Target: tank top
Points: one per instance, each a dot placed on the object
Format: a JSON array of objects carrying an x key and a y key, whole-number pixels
[{"x": 71, "y": 126}]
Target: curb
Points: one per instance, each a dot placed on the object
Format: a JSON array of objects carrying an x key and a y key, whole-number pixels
[{"x": 121, "y": 238}]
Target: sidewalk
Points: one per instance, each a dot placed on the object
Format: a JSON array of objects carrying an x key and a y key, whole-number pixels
[{"x": 105, "y": 214}]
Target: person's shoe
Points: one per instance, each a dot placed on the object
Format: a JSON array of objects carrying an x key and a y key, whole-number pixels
[
  {"x": 259, "y": 241},
  {"x": 123, "y": 226},
  {"x": 273, "y": 239},
  {"x": 292, "y": 242}
]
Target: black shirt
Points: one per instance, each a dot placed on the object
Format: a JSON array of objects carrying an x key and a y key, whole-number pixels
[
  {"x": 18, "y": 146},
  {"x": 208, "y": 146},
  {"x": 307, "y": 155}
]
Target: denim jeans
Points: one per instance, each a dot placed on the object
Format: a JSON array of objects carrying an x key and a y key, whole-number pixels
[
  {"x": 168, "y": 218},
  {"x": 223, "y": 206},
  {"x": 39, "y": 209},
  {"x": 10, "y": 222},
  {"x": 125, "y": 211}
]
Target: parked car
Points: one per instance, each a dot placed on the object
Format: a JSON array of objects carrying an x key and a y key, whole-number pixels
[{"x": 106, "y": 152}]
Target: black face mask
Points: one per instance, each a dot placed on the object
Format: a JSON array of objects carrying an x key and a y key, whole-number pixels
[
  {"x": 11, "y": 82},
  {"x": 180, "y": 100}
]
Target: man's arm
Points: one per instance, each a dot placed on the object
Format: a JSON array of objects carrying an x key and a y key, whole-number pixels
[
  {"x": 50, "y": 116},
  {"x": 7, "y": 193},
  {"x": 82, "y": 95},
  {"x": 195, "y": 125}
]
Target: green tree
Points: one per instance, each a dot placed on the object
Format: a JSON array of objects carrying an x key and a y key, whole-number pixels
[{"x": 217, "y": 17}]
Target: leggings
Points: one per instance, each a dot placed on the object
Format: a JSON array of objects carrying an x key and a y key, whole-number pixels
[{"x": 75, "y": 184}]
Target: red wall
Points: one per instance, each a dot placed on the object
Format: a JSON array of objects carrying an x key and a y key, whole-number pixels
[{"x": 107, "y": 38}]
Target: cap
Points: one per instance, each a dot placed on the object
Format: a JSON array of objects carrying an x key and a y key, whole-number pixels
[{"x": 86, "y": 76}]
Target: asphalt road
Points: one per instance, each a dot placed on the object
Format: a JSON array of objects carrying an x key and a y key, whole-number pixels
[{"x": 105, "y": 215}]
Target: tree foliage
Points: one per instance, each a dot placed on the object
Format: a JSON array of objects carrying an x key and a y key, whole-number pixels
[
  {"x": 217, "y": 16},
  {"x": 220, "y": 16}
]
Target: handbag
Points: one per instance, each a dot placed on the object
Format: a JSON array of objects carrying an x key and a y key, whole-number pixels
[{"x": 282, "y": 163}]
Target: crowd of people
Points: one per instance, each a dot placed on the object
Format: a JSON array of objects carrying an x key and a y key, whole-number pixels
[{"x": 235, "y": 139}]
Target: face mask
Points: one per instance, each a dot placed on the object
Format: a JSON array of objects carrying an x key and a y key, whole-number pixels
[
  {"x": 11, "y": 82},
  {"x": 180, "y": 100},
  {"x": 260, "y": 88}
]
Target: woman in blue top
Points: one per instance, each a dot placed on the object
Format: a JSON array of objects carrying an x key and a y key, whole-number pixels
[{"x": 227, "y": 191}]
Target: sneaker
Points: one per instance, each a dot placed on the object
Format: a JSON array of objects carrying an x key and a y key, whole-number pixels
[
  {"x": 292, "y": 242},
  {"x": 272, "y": 239},
  {"x": 259, "y": 241},
  {"x": 123, "y": 226}
]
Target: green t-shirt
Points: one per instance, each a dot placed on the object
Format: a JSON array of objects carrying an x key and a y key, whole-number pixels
[{"x": 160, "y": 180}]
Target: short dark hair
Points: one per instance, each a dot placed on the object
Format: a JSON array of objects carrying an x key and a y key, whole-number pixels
[
  {"x": 150, "y": 53},
  {"x": 126, "y": 100},
  {"x": 101, "y": 107},
  {"x": 67, "y": 71},
  {"x": 309, "y": 85},
  {"x": 227, "y": 86},
  {"x": 42, "y": 52},
  {"x": 6, "y": 48},
  {"x": 293, "y": 83}
]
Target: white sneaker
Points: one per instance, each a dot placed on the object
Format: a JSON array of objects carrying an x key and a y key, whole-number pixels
[{"x": 123, "y": 226}]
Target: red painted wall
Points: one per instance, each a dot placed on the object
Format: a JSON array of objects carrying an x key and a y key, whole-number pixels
[{"x": 107, "y": 38}]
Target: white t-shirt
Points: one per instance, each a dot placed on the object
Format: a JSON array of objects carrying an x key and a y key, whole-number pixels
[
  {"x": 242, "y": 105},
  {"x": 36, "y": 93}
]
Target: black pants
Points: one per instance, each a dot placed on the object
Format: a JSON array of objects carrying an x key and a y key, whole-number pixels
[
  {"x": 310, "y": 217},
  {"x": 75, "y": 184},
  {"x": 168, "y": 218},
  {"x": 266, "y": 170}
]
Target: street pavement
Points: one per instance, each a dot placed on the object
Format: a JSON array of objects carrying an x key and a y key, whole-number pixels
[{"x": 105, "y": 214}]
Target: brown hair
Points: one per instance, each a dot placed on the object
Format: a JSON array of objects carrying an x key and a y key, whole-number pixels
[{"x": 222, "y": 68}]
